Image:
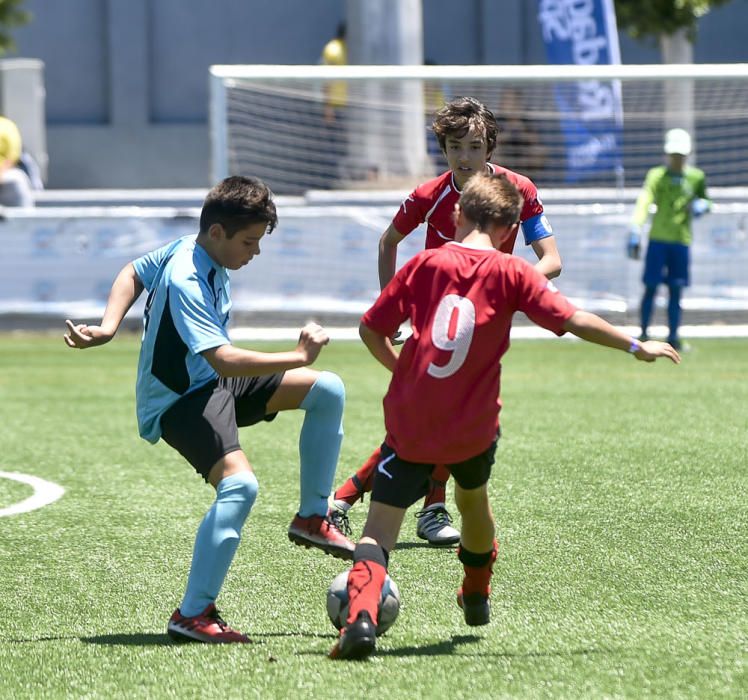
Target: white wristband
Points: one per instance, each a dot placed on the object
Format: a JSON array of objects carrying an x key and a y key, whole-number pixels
[{"x": 634, "y": 347}]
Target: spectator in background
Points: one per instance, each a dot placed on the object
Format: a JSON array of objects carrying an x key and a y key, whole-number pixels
[
  {"x": 678, "y": 191},
  {"x": 520, "y": 146},
  {"x": 335, "y": 53},
  {"x": 335, "y": 102},
  {"x": 15, "y": 185}
]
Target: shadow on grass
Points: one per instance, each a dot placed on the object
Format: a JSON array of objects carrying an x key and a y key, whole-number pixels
[
  {"x": 444, "y": 648},
  {"x": 425, "y": 545},
  {"x": 448, "y": 646},
  {"x": 144, "y": 639},
  {"x": 458, "y": 644},
  {"x": 34, "y": 640},
  {"x": 139, "y": 639},
  {"x": 451, "y": 646}
]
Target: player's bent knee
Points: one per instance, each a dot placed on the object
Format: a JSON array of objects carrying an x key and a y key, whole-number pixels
[
  {"x": 467, "y": 499},
  {"x": 241, "y": 490},
  {"x": 327, "y": 392}
]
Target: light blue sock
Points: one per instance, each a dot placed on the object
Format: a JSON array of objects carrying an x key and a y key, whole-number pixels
[
  {"x": 217, "y": 539},
  {"x": 319, "y": 442}
]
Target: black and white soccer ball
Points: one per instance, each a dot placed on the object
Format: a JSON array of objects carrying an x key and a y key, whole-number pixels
[{"x": 337, "y": 603}]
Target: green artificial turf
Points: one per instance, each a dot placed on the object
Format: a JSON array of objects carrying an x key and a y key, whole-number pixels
[{"x": 619, "y": 492}]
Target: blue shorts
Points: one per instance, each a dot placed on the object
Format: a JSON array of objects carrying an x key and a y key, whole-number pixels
[{"x": 666, "y": 263}]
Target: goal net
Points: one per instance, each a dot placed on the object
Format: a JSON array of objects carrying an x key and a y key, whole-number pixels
[
  {"x": 585, "y": 134},
  {"x": 325, "y": 127}
]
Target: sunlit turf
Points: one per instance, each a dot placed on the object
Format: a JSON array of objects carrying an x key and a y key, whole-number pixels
[{"x": 619, "y": 491}]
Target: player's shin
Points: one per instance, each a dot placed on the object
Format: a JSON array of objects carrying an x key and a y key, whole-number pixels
[
  {"x": 437, "y": 487},
  {"x": 366, "y": 580},
  {"x": 217, "y": 539},
  {"x": 319, "y": 442}
]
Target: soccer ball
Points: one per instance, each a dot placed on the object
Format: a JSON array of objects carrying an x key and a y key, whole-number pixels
[{"x": 337, "y": 603}]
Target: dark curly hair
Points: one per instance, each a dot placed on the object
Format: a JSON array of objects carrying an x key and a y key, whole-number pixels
[{"x": 457, "y": 116}]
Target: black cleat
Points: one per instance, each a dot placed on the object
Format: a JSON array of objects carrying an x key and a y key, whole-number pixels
[
  {"x": 357, "y": 641},
  {"x": 476, "y": 608}
]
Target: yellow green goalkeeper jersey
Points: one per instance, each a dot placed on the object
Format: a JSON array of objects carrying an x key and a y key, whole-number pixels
[{"x": 672, "y": 194}]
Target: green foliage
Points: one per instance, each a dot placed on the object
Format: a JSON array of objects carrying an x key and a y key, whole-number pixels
[
  {"x": 619, "y": 493},
  {"x": 651, "y": 18},
  {"x": 12, "y": 15}
]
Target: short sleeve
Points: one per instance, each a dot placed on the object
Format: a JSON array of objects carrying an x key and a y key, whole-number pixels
[
  {"x": 148, "y": 265},
  {"x": 532, "y": 207},
  {"x": 540, "y": 300},
  {"x": 392, "y": 306},
  {"x": 195, "y": 316},
  {"x": 411, "y": 214}
]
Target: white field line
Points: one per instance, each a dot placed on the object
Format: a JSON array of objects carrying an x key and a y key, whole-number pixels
[{"x": 45, "y": 492}]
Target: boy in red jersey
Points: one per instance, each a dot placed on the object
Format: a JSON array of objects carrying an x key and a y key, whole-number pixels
[
  {"x": 467, "y": 133},
  {"x": 443, "y": 404}
]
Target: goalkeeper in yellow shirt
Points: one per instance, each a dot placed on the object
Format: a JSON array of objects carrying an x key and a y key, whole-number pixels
[{"x": 678, "y": 191}]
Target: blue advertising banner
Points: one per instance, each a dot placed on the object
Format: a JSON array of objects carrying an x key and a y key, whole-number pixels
[{"x": 584, "y": 32}]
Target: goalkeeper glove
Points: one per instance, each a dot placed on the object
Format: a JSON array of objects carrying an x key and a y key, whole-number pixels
[
  {"x": 633, "y": 246},
  {"x": 699, "y": 206}
]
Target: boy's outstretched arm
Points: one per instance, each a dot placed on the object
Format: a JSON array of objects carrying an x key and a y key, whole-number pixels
[
  {"x": 379, "y": 346},
  {"x": 229, "y": 361},
  {"x": 126, "y": 288},
  {"x": 594, "y": 329}
]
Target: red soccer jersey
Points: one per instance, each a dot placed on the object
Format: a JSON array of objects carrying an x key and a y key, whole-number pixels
[
  {"x": 443, "y": 404},
  {"x": 434, "y": 201}
]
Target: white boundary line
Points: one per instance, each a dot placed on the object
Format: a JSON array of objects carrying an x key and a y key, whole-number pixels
[
  {"x": 518, "y": 332},
  {"x": 45, "y": 492}
]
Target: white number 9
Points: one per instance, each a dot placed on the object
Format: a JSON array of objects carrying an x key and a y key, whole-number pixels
[{"x": 459, "y": 343}]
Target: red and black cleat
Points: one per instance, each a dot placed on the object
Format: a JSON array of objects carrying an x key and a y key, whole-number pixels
[
  {"x": 357, "y": 641},
  {"x": 207, "y": 627},
  {"x": 476, "y": 608},
  {"x": 322, "y": 532}
]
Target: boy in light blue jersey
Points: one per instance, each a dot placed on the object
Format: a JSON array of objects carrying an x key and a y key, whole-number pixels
[{"x": 195, "y": 389}]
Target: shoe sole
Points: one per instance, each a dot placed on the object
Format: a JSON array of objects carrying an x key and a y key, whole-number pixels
[
  {"x": 477, "y": 615},
  {"x": 337, "y": 552},
  {"x": 185, "y": 638},
  {"x": 441, "y": 543}
]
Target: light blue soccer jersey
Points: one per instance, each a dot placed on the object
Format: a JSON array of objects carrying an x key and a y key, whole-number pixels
[{"x": 187, "y": 312}]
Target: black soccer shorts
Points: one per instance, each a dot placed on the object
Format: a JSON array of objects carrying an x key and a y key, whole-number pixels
[
  {"x": 203, "y": 425},
  {"x": 400, "y": 483}
]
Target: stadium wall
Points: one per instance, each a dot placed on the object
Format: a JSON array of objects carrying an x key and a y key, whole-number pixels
[
  {"x": 321, "y": 263},
  {"x": 128, "y": 106}
]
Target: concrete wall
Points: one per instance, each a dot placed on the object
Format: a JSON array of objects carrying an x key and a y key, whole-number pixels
[{"x": 127, "y": 85}]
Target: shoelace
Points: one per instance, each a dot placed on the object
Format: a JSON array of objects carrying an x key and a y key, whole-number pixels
[
  {"x": 216, "y": 617},
  {"x": 339, "y": 520},
  {"x": 441, "y": 515}
]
